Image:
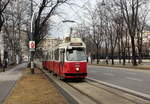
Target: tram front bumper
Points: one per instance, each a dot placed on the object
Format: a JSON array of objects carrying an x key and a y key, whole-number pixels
[{"x": 75, "y": 74}]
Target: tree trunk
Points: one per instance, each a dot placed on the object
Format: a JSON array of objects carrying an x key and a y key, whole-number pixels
[
  {"x": 124, "y": 57},
  {"x": 140, "y": 50},
  {"x": 128, "y": 53},
  {"x": 119, "y": 53},
  {"x": 106, "y": 52},
  {"x": 140, "y": 56},
  {"x": 97, "y": 54},
  {"x": 133, "y": 52},
  {"x": 112, "y": 56}
]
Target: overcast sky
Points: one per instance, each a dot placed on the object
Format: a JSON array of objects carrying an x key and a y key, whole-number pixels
[{"x": 73, "y": 12}]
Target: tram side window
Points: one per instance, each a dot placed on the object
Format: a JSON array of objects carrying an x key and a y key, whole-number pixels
[
  {"x": 57, "y": 54},
  {"x": 47, "y": 56},
  {"x": 62, "y": 55},
  {"x": 50, "y": 55}
]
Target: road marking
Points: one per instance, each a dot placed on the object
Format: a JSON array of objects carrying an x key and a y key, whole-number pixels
[
  {"x": 93, "y": 71},
  {"x": 135, "y": 79},
  {"x": 131, "y": 73},
  {"x": 109, "y": 74}
]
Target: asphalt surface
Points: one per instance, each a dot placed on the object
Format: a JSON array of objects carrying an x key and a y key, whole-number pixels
[
  {"x": 127, "y": 78},
  {"x": 8, "y": 80}
]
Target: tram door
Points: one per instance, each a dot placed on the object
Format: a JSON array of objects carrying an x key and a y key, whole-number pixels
[{"x": 62, "y": 60}]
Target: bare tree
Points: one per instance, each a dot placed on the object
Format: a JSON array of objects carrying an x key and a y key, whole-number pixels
[
  {"x": 43, "y": 17},
  {"x": 130, "y": 12},
  {"x": 140, "y": 29},
  {"x": 113, "y": 27},
  {"x": 3, "y": 5},
  {"x": 96, "y": 28},
  {"x": 13, "y": 26},
  {"x": 119, "y": 21}
]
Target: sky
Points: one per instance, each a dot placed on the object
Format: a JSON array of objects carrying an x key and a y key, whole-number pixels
[{"x": 73, "y": 12}]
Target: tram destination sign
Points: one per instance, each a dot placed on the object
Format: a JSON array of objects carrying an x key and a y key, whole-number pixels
[
  {"x": 75, "y": 44},
  {"x": 31, "y": 45}
]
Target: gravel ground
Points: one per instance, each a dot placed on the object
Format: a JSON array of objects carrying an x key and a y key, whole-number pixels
[{"x": 35, "y": 89}]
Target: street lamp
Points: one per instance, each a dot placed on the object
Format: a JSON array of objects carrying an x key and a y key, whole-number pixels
[
  {"x": 68, "y": 21},
  {"x": 32, "y": 43},
  {"x": 71, "y": 29}
]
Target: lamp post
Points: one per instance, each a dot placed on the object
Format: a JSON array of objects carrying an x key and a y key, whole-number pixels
[
  {"x": 71, "y": 29},
  {"x": 32, "y": 43}
]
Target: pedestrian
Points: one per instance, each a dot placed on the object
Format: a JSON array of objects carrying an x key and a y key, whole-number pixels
[
  {"x": 4, "y": 64},
  {"x": 106, "y": 59},
  {"x": 87, "y": 59}
]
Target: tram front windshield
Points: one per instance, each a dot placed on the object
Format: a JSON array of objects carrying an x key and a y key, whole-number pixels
[{"x": 76, "y": 54}]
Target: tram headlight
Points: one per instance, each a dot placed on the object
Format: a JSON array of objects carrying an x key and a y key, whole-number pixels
[{"x": 77, "y": 69}]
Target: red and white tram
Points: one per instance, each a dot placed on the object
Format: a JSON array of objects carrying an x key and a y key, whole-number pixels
[{"x": 68, "y": 59}]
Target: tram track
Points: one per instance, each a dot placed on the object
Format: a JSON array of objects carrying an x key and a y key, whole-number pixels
[
  {"x": 75, "y": 95},
  {"x": 94, "y": 93},
  {"x": 116, "y": 92},
  {"x": 83, "y": 93},
  {"x": 98, "y": 97}
]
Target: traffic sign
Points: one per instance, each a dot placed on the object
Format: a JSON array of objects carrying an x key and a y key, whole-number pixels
[{"x": 32, "y": 45}]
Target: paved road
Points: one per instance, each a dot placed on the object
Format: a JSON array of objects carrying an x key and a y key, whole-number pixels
[
  {"x": 132, "y": 79},
  {"x": 8, "y": 80}
]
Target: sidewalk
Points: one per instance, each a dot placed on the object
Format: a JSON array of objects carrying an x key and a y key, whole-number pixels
[
  {"x": 8, "y": 67},
  {"x": 8, "y": 80},
  {"x": 34, "y": 89}
]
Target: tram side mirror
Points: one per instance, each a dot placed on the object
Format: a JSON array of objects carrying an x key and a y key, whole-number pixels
[{"x": 62, "y": 56}]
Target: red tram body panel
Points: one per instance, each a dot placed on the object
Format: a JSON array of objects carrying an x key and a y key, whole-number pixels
[
  {"x": 68, "y": 59},
  {"x": 68, "y": 70}
]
